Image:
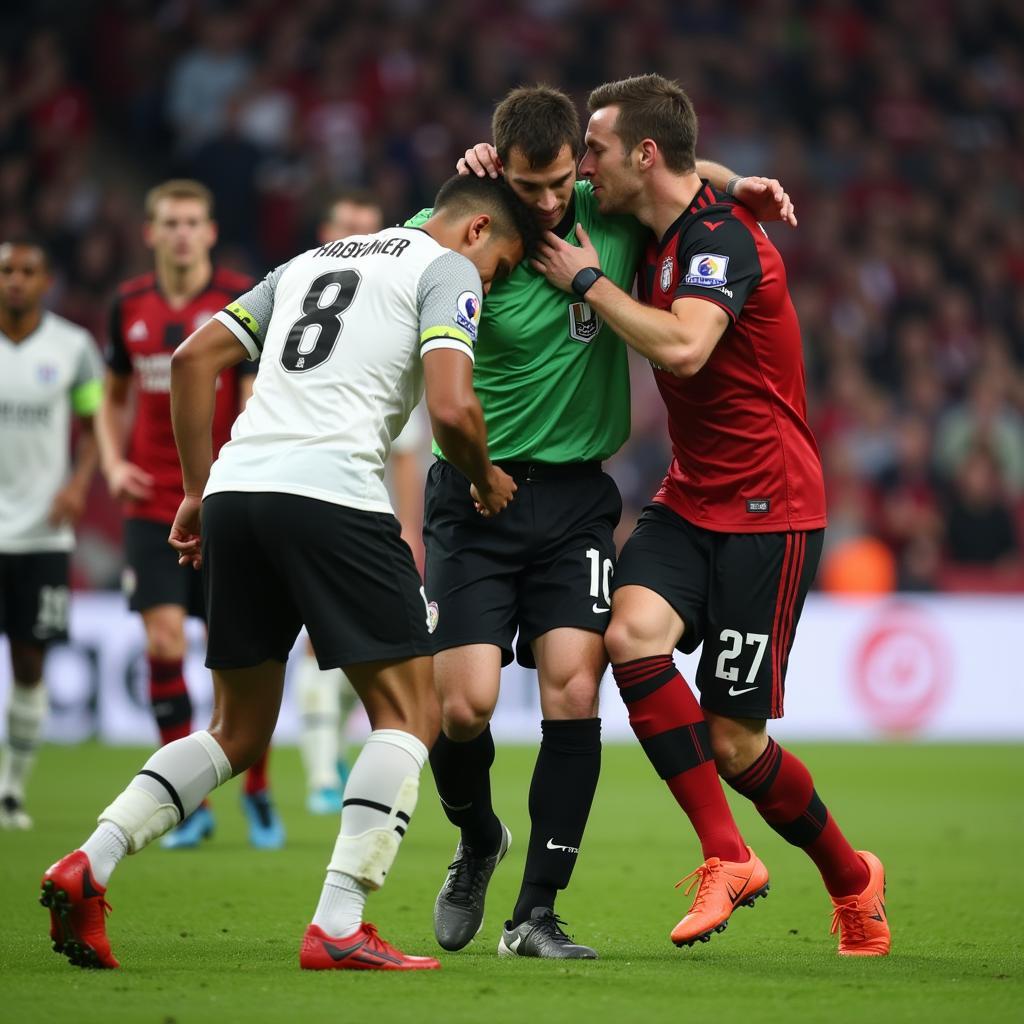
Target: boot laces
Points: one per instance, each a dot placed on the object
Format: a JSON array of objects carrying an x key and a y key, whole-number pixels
[
  {"x": 850, "y": 918},
  {"x": 467, "y": 883},
  {"x": 704, "y": 878}
]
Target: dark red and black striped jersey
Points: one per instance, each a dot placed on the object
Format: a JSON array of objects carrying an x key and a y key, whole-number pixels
[
  {"x": 143, "y": 334},
  {"x": 744, "y": 458}
]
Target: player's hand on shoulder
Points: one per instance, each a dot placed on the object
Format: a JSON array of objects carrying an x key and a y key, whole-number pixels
[
  {"x": 766, "y": 199},
  {"x": 128, "y": 482},
  {"x": 496, "y": 495},
  {"x": 67, "y": 506},
  {"x": 481, "y": 160},
  {"x": 184, "y": 535}
]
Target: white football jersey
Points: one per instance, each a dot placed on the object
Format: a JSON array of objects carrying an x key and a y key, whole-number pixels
[
  {"x": 45, "y": 377},
  {"x": 340, "y": 332}
]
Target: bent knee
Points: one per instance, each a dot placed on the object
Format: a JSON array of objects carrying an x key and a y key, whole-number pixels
[
  {"x": 629, "y": 637},
  {"x": 575, "y": 697},
  {"x": 463, "y": 719},
  {"x": 733, "y": 747}
]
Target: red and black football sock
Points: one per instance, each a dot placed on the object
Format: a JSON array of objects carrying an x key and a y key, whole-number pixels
[
  {"x": 256, "y": 780},
  {"x": 561, "y": 793},
  {"x": 783, "y": 792},
  {"x": 670, "y": 726},
  {"x": 462, "y": 774},
  {"x": 168, "y": 696}
]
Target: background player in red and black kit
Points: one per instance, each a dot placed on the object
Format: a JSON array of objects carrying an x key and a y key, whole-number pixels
[
  {"x": 727, "y": 551},
  {"x": 151, "y": 316}
]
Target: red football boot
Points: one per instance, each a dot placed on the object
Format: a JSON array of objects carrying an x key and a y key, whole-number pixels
[
  {"x": 363, "y": 950},
  {"x": 77, "y": 912}
]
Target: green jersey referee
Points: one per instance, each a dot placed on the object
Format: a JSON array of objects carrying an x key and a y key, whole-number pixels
[{"x": 534, "y": 582}]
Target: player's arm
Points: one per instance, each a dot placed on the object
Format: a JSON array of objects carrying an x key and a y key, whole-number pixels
[
  {"x": 679, "y": 340},
  {"x": 234, "y": 333},
  {"x": 764, "y": 197},
  {"x": 113, "y": 420},
  {"x": 195, "y": 366},
  {"x": 447, "y": 340},
  {"x": 86, "y": 396},
  {"x": 458, "y": 424}
]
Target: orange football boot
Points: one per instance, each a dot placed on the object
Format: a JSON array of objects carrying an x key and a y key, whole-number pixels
[
  {"x": 363, "y": 950},
  {"x": 77, "y": 912},
  {"x": 861, "y": 921},
  {"x": 722, "y": 886}
]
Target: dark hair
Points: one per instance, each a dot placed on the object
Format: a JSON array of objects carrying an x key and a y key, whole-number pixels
[
  {"x": 468, "y": 194},
  {"x": 652, "y": 107},
  {"x": 23, "y": 241},
  {"x": 538, "y": 121}
]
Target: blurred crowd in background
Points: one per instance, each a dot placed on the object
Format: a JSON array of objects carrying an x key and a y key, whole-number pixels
[{"x": 897, "y": 128}]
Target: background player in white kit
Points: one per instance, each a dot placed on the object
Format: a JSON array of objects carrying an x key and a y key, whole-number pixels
[
  {"x": 326, "y": 698},
  {"x": 297, "y": 528},
  {"x": 49, "y": 370}
]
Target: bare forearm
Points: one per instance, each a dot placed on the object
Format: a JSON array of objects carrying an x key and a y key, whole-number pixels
[
  {"x": 654, "y": 333},
  {"x": 462, "y": 437},
  {"x": 193, "y": 394},
  {"x": 111, "y": 432},
  {"x": 717, "y": 174},
  {"x": 86, "y": 456}
]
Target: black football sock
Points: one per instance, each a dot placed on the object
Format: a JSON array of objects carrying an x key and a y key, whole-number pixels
[
  {"x": 462, "y": 774},
  {"x": 562, "y": 790}
]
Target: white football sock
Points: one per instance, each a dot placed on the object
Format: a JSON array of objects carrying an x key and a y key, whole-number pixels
[
  {"x": 380, "y": 797},
  {"x": 105, "y": 848},
  {"x": 319, "y": 716},
  {"x": 340, "y": 910},
  {"x": 26, "y": 716},
  {"x": 168, "y": 788}
]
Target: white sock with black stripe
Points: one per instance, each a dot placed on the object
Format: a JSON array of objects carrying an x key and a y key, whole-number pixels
[
  {"x": 166, "y": 789},
  {"x": 379, "y": 800}
]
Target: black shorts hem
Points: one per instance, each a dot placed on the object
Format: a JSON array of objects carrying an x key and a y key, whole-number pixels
[
  {"x": 507, "y": 653},
  {"x": 399, "y": 652},
  {"x": 692, "y": 638},
  {"x": 242, "y": 662},
  {"x": 760, "y": 714}
]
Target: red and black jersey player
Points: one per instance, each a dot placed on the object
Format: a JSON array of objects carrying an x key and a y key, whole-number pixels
[
  {"x": 726, "y": 552},
  {"x": 150, "y": 317}
]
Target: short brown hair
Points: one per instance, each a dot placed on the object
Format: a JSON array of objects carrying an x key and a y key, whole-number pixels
[
  {"x": 178, "y": 188},
  {"x": 652, "y": 107},
  {"x": 538, "y": 121}
]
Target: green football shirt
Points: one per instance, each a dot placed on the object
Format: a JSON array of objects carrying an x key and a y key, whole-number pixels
[{"x": 551, "y": 376}]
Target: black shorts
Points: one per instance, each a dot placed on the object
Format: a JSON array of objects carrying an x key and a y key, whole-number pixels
[
  {"x": 152, "y": 575},
  {"x": 34, "y": 596},
  {"x": 740, "y": 594},
  {"x": 274, "y": 562},
  {"x": 543, "y": 563}
]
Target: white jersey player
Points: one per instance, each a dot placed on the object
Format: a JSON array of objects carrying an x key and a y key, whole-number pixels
[
  {"x": 297, "y": 529},
  {"x": 50, "y": 373}
]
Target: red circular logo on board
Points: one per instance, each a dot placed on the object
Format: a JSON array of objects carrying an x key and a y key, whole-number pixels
[{"x": 901, "y": 670}]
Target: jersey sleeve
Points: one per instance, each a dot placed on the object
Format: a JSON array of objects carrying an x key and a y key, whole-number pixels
[
  {"x": 417, "y": 220},
  {"x": 86, "y": 385},
  {"x": 720, "y": 265},
  {"x": 117, "y": 357},
  {"x": 410, "y": 439},
  {"x": 449, "y": 300},
  {"x": 248, "y": 317}
]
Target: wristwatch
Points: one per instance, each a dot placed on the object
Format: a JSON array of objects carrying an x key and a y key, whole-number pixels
[{"x": 585, "y": 279}]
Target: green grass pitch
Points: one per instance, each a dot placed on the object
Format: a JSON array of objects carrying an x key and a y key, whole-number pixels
[{"x": 213, "y": 934}]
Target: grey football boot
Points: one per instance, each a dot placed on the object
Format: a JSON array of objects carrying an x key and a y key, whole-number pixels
[
  {"x": 459, "y": 908},
  {"x": 542, "y": 936}
]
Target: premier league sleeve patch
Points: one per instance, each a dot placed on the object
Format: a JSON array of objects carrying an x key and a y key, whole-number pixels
[
  {"x": 708, "y": 270},
  {"x": 467, "y": 313}
]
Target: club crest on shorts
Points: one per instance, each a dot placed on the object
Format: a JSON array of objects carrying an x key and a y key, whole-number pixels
[
  {"x": 584, "y": 323},
  {"x": 668, "y": 265}
]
